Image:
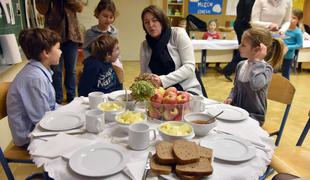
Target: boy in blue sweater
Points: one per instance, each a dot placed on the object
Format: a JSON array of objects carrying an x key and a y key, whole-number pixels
[
  {"x": 293, "y": 42},
  {"x": 98, "y": 73}
]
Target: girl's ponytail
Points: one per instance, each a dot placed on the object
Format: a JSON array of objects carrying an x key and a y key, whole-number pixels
[{"x": 275, "y": 53}]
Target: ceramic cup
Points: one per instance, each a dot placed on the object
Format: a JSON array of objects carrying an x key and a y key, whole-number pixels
[
  {"x": 197, "y": 104},
  {"x": 94, "y": 121},
  {"x": 139, "y": 136},
  {"x": 95, "y": 98}
]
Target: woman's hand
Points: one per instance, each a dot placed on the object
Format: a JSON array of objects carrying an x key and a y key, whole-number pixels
[
  {"x": 157, "y": 80},
  {"x": 273, "y": 27},
  {"x": 228, "y": 101}
]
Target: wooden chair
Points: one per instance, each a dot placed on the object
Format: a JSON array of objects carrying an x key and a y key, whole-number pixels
[
  {"x": 293, "y": 160},
  {"x": 12, "y": 153},
  {"x": 282, "y": 91},
  {"x": 120, "y": 73}
]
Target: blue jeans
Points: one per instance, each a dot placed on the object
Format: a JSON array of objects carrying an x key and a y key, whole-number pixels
[
  {"x": 68, "y": 59},
  {"x": 286, "y": 68}
]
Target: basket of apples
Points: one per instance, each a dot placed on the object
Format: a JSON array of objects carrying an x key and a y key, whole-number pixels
[{"x": 168, "y": 105}]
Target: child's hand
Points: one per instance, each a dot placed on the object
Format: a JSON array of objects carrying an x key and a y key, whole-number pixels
[
  {"x": 228, "y": 101},
  {"x": 261, "y": 53}
]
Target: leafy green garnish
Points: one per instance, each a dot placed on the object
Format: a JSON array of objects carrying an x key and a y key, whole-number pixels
[{"x": 142, "y": 90}]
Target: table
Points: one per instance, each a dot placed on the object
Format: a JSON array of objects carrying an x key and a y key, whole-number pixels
[
  {"x": 58, "y": 167},
  {"x": 218, "y": 51}
]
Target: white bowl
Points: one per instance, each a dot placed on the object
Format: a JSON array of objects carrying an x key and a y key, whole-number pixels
[
  {"x": 125, "y": 126},
  {"x": 200, "y": 129},
  {"x": 109, "y": 114},
  {"x": 175, "y": 130}
]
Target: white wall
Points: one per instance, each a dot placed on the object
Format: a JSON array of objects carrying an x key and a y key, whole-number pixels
[{"x": 131, "y": 33}]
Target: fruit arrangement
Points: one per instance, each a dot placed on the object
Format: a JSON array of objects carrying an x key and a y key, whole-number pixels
[{"x": 169, "y": 104}]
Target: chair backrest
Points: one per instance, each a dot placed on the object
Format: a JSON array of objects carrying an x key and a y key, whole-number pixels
[
  {"x": 281, "y": 90},
  {"x": 119, "y": 72},
  {"x": 4, "y": 86}
]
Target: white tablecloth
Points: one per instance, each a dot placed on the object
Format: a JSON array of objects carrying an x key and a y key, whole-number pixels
[
  {"x": 58, "y": 168},
  {"x": 306, "y": 44},
  {"x": 215, "y": 44}
]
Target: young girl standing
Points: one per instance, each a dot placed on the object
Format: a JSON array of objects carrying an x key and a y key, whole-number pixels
[
  {"x": 293, "y": 41},
  {"x": 254, "y": 74},
  {"x": 105, "y": 12}
]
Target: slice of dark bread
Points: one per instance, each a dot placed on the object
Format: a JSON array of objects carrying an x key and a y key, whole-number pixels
[
  {"x": 158, "y": 168},
  {"x": 186, "y": 177},
  {"x": 185, "y": 152},
  {"x": 164, "y": 153},
  {"x": 205, "y": 152},
  {"x": 201, "y": 168}
]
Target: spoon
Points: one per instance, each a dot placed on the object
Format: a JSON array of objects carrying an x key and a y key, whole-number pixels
[{"x": 211, "y": 120}]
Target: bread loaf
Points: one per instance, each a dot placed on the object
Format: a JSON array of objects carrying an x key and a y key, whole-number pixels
[
  {"x": 201, "y": 168},
  {"x": 164, "y": 153},
  {"x": 185, "y": 152},
  {"x": 158, "y": 168}
]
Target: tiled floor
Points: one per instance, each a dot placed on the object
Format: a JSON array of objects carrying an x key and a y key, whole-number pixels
[{"x": 218, "y": 88}]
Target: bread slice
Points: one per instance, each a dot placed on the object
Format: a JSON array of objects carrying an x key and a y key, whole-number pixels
[
  {"x": 205, "y": 153},
  {"x": 164, "y": 153},
  {"x": 201, "y": 168},
  {"x": 158, "y": 168},
  {"x": 185, "y": 151},
  {"x": 186, "y": 177}
]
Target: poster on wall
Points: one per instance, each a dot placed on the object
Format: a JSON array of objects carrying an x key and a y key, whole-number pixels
[{"x": 205, "y": 6}]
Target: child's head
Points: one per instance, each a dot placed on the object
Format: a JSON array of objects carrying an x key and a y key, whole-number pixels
[
  {"x": 105, "y": 12},
  {"x": 212, "y": 25},
  {"x": 106, "y": 48},
  {"x": 250, "y": 45},
  {"x": 297, "y": 16},
  {"x": 40, "y": 44}
]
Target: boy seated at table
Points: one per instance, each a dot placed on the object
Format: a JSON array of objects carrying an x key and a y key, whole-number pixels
[
  {"x": 98, "y": 72},
  {"x": 31, "y": 93},
  {"x": 211, "y": 33}
]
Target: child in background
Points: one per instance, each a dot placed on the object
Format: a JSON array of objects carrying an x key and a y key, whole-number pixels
[
  {"x": 105, "y": 12},
  {"x": 293, "y": 41},
  {"x": 211, "y": 33},
  {"x": 98, "y": 73},
  {"x": 254, "y": 74},
  {"x": 31, "y": 94},
  {"x": 182, "y": 23}
]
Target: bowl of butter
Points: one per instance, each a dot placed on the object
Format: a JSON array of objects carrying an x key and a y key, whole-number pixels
[
  {"x": 126, "y": 118},
  {"x": 173, "y": 130},
  {"x": 111, "y": 109}
]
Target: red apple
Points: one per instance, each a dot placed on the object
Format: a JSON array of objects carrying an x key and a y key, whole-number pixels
[
  {"x": 170, "y": 98},
  {"x": 157, "y": 100},
  {"x": 154, "y": 113},
  {"x": 170, "y": 114},
  {"x": 183, "y": 97},
  {"x": 178, "y": 117},
  {"x": 170, "y": 89}
]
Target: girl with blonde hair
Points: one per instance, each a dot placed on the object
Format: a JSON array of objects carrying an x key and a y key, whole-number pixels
[{"x": 263, "y": 53}]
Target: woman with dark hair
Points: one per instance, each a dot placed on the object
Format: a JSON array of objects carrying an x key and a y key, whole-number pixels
[{"x": 167, "y": 52}]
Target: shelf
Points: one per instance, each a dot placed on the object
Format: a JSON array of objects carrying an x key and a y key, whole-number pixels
[
  {"x": 175, "y": 15},
  {"x": 177, "y": 4}
]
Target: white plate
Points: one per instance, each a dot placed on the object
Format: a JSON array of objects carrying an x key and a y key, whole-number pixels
[
  {"x": 98, "y": 160},
  {"x": 61, "y": 121},
  {"x": 115, "y": 94},
  {"x": 231, "y": 113},
  {"x": 229, "y": 148}
]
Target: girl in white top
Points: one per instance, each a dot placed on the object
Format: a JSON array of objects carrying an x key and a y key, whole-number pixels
[{"x": 274, "y": 15}]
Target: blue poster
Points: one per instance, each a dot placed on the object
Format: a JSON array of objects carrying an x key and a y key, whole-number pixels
[{"x": 205, "y": 6}]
